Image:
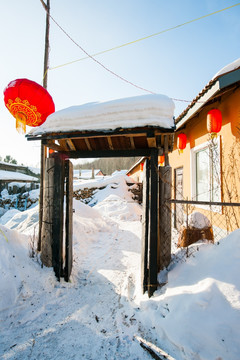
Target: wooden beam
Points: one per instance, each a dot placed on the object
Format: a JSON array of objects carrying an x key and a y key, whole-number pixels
[
  {"x": 106, "y": 153},
  {"x": 132, "y": 142},
  {"x": 88, "y": 144},
  {"x": 51, "y": 144},
  {"x": 152, "y": 286},
  {"x": 63, "y": 144},
  {"x": 145, "y": 227},
  {"x": 110, "y": 144},
  {"x": 152, "y": 143},
  {"x": 120, "y": 132},
  {"x": 71, "y": 144}
]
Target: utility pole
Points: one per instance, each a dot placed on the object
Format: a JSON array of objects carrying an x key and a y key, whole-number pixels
[{"x": 43, "y": 148}]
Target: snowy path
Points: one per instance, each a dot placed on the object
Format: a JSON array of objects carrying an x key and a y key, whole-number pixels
[{"x": 94, "y": 317}]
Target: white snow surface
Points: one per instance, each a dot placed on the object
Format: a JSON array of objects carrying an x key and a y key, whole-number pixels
[
  {"x": 17, "y": 176},
  {"x": 230, "y": 67},
  {"x": 145, "y": 110},
  {"x": 100, "y": 313},
  {"x": 198, "y": 220}
]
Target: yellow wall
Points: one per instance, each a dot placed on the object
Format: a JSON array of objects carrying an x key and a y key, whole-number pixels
[{"x": 196, "y": 131}]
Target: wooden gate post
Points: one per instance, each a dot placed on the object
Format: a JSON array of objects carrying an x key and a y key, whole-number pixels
[
  {"x": 165, "y": 217},
  {"x": 52, "y": 222},
  {"x": 145, "y": 227},
  {"x": 68, "y": 220},
  {"x": 153, "y": 237}
]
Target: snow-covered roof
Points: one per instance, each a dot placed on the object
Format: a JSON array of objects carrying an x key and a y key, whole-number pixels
[
  {"x": 226, "y": 69},
  {"x": 228, "y": 75},
  {"x": 15, "y": 176},
  {"x": 85, "y": 173},
  {"x": 146, "y": 110}
]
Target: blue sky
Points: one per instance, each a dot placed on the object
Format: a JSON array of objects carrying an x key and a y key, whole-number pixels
[{"x": 178, "y": 63}]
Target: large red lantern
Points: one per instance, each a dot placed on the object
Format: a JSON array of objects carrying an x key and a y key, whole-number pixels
[
  {"x": 28, "y": 102},
  {"x": 214, "y": 121},
  {"x": 181, "y": 142}
]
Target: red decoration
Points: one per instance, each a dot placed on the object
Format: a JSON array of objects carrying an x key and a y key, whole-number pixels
[
  {"x": 161, "y": 160},
  {"x": 214, "y": 121},
  {"x": 28, "y": 102},
  {"x": 141, "y": 166},
  {"x": 181, "y": 142}
]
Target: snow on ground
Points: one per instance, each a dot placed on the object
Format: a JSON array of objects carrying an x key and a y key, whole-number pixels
[
  {"x": 101, "y": 312},
  {"x": 145, "y": 110}
]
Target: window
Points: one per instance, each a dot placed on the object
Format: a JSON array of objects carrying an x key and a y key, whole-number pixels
[{"x": 206, "y": 178}]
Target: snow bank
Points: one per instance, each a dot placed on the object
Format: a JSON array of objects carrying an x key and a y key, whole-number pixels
[
  {"x": 20, "y": 275},
  {"x": 198, "y": 221},
  {"x": 198, "y": 311},
  {"x": 146, "y": 110}
]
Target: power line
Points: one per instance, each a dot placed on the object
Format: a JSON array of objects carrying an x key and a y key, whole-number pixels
[{"x": 144, "y": 38}]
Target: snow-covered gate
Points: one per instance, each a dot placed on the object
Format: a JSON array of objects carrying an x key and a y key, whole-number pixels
[{"x": 136, "y": 139}]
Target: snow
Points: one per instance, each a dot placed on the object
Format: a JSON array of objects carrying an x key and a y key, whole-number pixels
[
  {"x": 16, "y": 176},
  {"x": 101, "y": 312},
  {"x": 145, "y": 110},
  {"x": 198, "y": 221},
  {"x": 230, "y": 67}
]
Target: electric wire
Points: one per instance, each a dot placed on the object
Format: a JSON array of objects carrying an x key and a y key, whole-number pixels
[{"x": 146, "y": 37}]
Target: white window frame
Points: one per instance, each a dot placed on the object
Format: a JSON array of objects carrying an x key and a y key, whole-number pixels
[{"x": 193, "y": 170}]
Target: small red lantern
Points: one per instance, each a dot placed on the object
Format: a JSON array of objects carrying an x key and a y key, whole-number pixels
[
  {"x": 161, "y": 160},
  {"x": 214, "y": 121},
  {"x": 28, "y": 102},
  {"x": 181, "y": 142},
  {"x": 141, "y": 166}
]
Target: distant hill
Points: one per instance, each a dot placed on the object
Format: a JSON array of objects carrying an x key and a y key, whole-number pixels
[{"x": 109, "y": 165}]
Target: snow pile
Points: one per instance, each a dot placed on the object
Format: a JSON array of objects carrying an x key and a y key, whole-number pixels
[
  {"x": 145, "y": 110},
  {"x": 198, "y": 311},
  {"x": 195, "y": 316},
  {"x": 230, "y": 67},
  {"x": 198, "y": 221},
  {"x": 20, "y": 275}
]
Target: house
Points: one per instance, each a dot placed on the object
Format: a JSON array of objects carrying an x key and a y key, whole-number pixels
[
  {"x": 87, "y": 174},
  {"x": 17, "y": 178},
  {"x": 208, "y": 168}
]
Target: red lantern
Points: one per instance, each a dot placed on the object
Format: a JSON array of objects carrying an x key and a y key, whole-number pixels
[
  {"x": 161, "y": 160},
  {"x": 214, "y": 121},
  {"x": 28, "y": 102},
  {"x": 141, "y": 166},
  {"x": 181, "y": 142}
]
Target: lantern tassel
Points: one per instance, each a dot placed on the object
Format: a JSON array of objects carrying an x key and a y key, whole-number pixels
[{"x": 21, "y": 124}]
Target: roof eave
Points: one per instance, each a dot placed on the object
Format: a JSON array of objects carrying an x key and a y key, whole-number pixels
[{"x": 220, "y": 83}]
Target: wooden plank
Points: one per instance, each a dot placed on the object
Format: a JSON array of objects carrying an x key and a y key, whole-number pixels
[
  {"x": 70, "y": 144},
  {"x": 107, "y": 153},
  {"x": 68, "y": 220},
  {"x": 110, "y": 144},
  {"x": 88, "y": 144},
  {"x": 132, "y": 142},
  {"x": 51, "y": 144},
  {"x": 57, "y": 218},
  {"x": 165, "y": 215},
  {"x": 155, "y": 351},
  {"x": 145, "y": 227},
  {"x": 152, "y": 143},
  {"x": 63, "y": 144},
  {"x": 48, "y": 198},
  {"x": 140, "y": 131},
  {"x": 153, "y": 239},
  {"x": 166, "y": 150}
]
